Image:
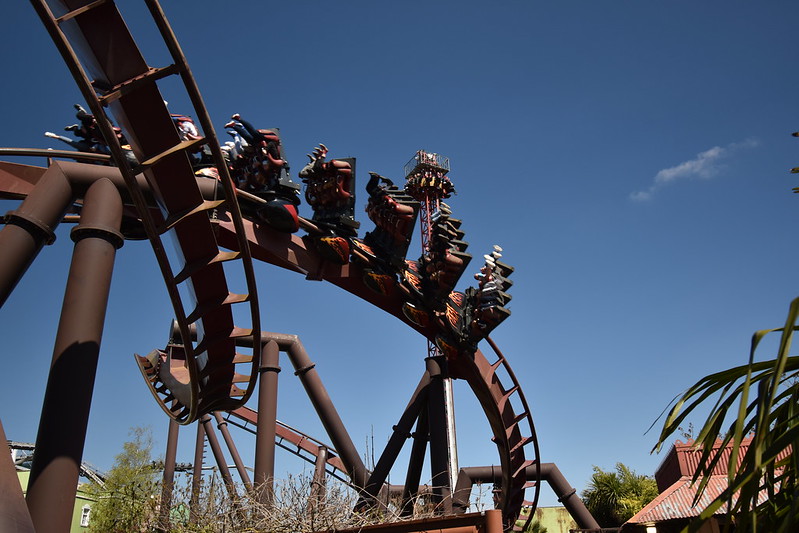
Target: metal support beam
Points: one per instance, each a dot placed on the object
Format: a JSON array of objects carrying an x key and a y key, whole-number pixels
[
  {"x": 402, "y": 432},
  {"x": 312, "y": 383},
  {"x": 321, "y": 401},
  {"x": 319, "y": 481},
  {"x": 197, "y": 474},
  {"x": 415, "y": 463},
  {"x": 440, "y": 452},
  {"x": 65, "y": 413},
  {"x": 267, "y": 421},
  {"x": 224, "y": 471},
  {"x": 32, "y": 226},
  {"x": 550, "y": 473},
  {"x": 169, "y": 473},
  {"x": 221, "y": 423},
  {"x": 14, "y": 514}
]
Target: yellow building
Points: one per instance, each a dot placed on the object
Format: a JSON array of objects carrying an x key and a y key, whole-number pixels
[{"x": 81, "y": 515}]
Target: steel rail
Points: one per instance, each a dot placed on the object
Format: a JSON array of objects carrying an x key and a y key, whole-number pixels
[
  {"x": 494, "y": 397},
  {"x": 129, "y": 89},
  {"x": 49, "y": 152},
  {"x": 131, "y": 93},
  {"x": 243, "y": 417},
  {"x": 535, "y": 480}
]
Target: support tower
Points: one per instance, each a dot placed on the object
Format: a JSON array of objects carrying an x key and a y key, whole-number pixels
[{"x": 427, "y": 182}]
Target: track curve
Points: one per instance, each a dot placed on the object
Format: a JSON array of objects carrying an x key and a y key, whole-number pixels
[
  {"x": 517, "y": 445},
  {"x": 112, "y": 74}
]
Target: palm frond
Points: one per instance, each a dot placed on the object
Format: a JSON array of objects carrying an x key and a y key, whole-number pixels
[{"x": 756, "y": 401}]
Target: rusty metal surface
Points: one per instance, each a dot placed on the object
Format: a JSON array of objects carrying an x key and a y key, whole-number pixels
[
  {"x": 548, "y": 472},
  {"x": 14, "y": 515},
  {"x": 68, "y": 395},
  {"x": 299, "y": 440},
  {"x": 113, "y": 59},
  {"x": 111, "y": 63},
  {"x": 17, "y": 181},
  {"x": 221, "y": 424},
  {"x": 267, "y": 414},
  {"x": 485, "y": 522},
  {"x": 289, "y": 251}
]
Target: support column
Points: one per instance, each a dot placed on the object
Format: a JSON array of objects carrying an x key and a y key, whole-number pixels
[
  {"x": 402, "y": 431},
  {"x": 441, "y": 431},
  {"x": 67, "y": 401},
  {"x": 224, "y": 471},
  {"x": 14, "y": 514},
  {"x": 319, "y": 481},
  {"x": 32, "y": 226},
  {"x": 493, "y": 521},
  {"x": 330, "y": 418},
  {"x": 221, "y": 423},
  {"x": 197, "y": 474},
  {"x": 267, "y": 420},
  {"x": 169, "y": 473},
  {"x": 415, "y": 463},
  {"x": 549, "y": 472}
]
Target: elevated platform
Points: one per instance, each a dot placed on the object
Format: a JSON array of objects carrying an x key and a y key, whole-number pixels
[{"x": 426, "y": 161}]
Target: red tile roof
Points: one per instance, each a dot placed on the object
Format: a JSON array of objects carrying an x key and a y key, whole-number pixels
[
  {"x": 677, "y": 501},
  {"x": 683, "y": 460},
  {"x": 677, "y": 493}
]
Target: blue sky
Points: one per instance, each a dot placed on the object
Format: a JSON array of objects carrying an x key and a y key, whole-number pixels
[{"x": 630, "y": 157}]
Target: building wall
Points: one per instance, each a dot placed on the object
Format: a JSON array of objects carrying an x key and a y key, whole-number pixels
[
  {"x": 81, "y": 499},
  {"x": 555, "y": 519}
]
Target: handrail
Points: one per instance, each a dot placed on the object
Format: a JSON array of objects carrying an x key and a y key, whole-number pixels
[{"x": 49, "y": 152}]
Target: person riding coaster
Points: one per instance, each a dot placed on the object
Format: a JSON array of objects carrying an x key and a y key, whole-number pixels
[
  {"x": 330, "y": 191},
  {"x": 261, "y": 169},
  {"x": 91, "y": 138},
  {"x": 383, "y": 250}
]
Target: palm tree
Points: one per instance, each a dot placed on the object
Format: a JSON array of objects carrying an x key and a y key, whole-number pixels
[
  {"x": 614, "y": 497},
  {"x": 759, "y": 399}
]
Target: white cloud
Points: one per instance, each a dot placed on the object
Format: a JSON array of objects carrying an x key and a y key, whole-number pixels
[{"x": 705, "y": 165}]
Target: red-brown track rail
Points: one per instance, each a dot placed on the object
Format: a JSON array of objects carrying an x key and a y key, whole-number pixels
[
  {"x": 293, "y": 440},
  {"x": 517, "y": 445},
  {"x": 112, "y": 74}
]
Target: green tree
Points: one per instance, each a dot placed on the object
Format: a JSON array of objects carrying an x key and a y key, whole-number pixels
[
  {"x": 127, "y": 502},
  {"x": 761, "y": 400},
  {"x": 614, "y": 497}
]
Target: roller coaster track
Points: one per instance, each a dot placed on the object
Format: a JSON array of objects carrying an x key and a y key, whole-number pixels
[
  {"x": 87, "y": 469},
  {"x": 493, "y": 383},
  {"x": 294, "y": 441},
  {"x": 513, "y": 432},
  {"x": 517, "y": 445},
  {"x": 112, "y": 74}
]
